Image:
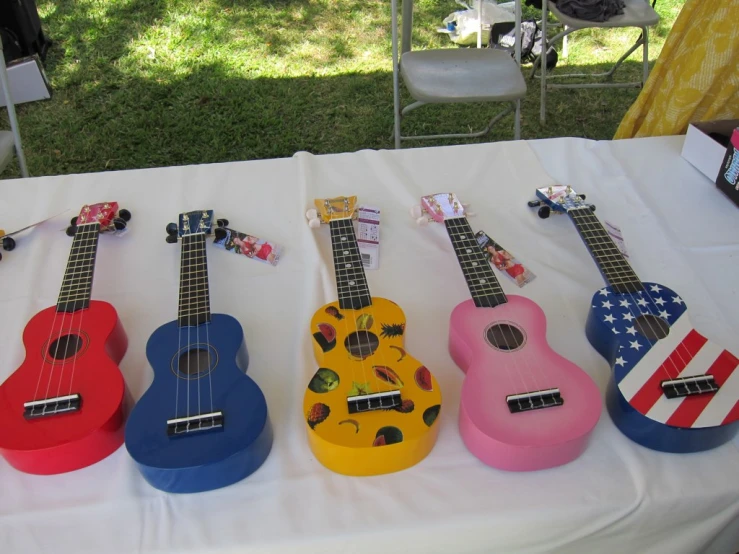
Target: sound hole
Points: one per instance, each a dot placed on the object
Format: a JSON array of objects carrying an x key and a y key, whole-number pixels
[
  {"x": 504, "y": 336},
  {"x": 361, "y": 344},
  {"x": 65, "y": 347},
  {"x": 194, "y": 361},
  {"x": 651, "y": 326}
]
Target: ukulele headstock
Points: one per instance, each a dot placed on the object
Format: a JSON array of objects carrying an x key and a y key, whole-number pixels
[
  {"x": 106, "y": 214},
  {"x": 331, "y": 209},
  {"x": 436, "y": 208},
  {"x": 559, "y": 199}
]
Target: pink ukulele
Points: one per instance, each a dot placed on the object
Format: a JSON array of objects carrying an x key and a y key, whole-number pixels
[{"x": 523, "y": 407}]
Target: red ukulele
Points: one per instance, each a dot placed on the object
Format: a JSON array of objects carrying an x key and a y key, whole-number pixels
[{"x": 63, "y": 408}]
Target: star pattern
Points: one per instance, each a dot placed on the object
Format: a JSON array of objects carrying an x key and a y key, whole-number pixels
[{"x": 618, "y": 313}]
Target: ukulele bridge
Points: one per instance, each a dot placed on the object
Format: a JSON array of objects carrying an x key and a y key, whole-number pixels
[
  {"x": 52, "y": 406},
  {"x": 201, "y": 422},
  {"x": 537, "y": 400},
  {"x": 689, "y": 386},
  {"x": 376, "y": 401}
]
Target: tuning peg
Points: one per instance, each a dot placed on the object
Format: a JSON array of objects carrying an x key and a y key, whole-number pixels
[
  {"x": 124, "y": 214},
  {"x": 544, "y": 212},
  {"x": 71, "y": 230},
  {"x": 8, "y": 243},
  {"x": 119, "y": 223},
  {"x": 222, "y": 222},
  {"x": 416, "y": 211},
  {"x": 220, "y": 233},
  {"x": 1, "y": 257},
  {"x": 171, "y": 228},
  {"x": 73, "y": 221},
  {"x": 581, "y": 196},
  {"x": 171, "y": 239},
  {"x": 422, "y": 221},
  {"x": 534, "y": 203},
  {"x": 592, "y": 207},
  {"x": 311, "y": 214},
  {"x": 314, "y": 223}
]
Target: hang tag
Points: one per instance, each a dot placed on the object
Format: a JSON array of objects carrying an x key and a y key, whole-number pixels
[
  {"x": 368, "y": 238},
  {"x": 615, "y": 234},
  {"x": 504, "y": 261},
  {"x": 248, "y": 245}
]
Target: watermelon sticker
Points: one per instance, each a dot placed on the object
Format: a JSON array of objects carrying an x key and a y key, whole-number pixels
[
  {"x": 423, "y": 379},
  {"x": 326, "y": 336}
]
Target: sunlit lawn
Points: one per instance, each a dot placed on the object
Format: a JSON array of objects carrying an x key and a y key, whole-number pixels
[{"x": 144, "y": 83}]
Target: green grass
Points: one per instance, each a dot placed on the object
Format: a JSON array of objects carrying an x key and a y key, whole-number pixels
[{"x": 145, "y": 83}]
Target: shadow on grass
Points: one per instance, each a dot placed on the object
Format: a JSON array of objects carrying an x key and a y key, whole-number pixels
[{"x": 209, "y": 115}]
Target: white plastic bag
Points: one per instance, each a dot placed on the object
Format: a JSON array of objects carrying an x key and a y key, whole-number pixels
[{"x": 463, "y": 26}]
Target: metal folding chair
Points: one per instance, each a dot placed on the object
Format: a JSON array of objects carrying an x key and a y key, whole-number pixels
[
  {"x": 454, "y": 75},
  {"x": 637, "y": 13},
  {"x": 10, "y": 141}
]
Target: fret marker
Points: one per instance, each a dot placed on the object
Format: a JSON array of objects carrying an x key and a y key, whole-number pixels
[
  {"x": 352, "y": 283},
  {"x": 468, "y": 251},
  {"x": 474, "y": 263},
  {"x": 343, "y": 238},
  {"x": 483, "y": 281},
  {"x": 347, "y": 265},
  {"x": 346, "y": 252},
  {"x": 463, "y": 236}
]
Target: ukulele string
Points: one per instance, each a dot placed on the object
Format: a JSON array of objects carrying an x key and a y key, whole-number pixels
[
  {"x": 180, "y": 312},
  {"x": 189, "y": 319},
  {"x": 370, "y": 309},
  {"x": 87, "y": 293},
  {"x": 340, "y": 229},
  {"x": 207, "y": 332},
  {"x": 595, "y": 225},
  {"x": 477, "y": 256},
  {"x": 70, "y": 298},
  {"x": 51, "y": 333},
  {"x": 199, "y": 252}
]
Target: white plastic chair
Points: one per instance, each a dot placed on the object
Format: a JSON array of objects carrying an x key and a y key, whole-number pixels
[
  {"x": 10, "y": 140},
  {"x": 637, "y": 13},
  {"x": 454, "y": 75}
]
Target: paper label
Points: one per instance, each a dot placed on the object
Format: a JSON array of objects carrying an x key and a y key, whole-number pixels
[
  {"x": 615, "y": 233},
  {"x": 368, "y": 237},
  {"x": 504, "y": 261},
  {"x": 248, "y": 245}
]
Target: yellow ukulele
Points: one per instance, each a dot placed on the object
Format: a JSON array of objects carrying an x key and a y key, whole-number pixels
[{"x": 370, "y": 408}]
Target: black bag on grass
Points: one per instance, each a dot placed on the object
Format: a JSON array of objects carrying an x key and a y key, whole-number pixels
[{"x": 503, "y": 37}]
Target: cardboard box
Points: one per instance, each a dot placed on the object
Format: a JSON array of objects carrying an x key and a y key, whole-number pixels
[
  {"x": 702, "y": 150},
  {"x": 27, "y": 81},
  {"x": 728, "y": 175}
]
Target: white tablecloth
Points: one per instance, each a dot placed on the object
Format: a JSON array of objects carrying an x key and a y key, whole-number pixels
[{"x": 618, "y": 497}]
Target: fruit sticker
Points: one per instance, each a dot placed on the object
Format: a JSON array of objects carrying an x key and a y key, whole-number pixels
[
  {"x": 392, "y": 330},
  {"x": 388, "y": 375},
  {"x": 317, "y": 414},
  {"x": 333, "y": 311},
  {"x": 325, "y": 380},
  {"x": 388, "y": 435},
  {"x": 430, "y": 414},
  {"x": 423, "y": 379},
  {"x": 400, "y": 351},
  {"x": 359, "y": 389},
  {"x": 406, "y": 407},
  {"x": 351, "y": 422},
  {"x": 326, "y": 336},
  {"x": 364, "y": 322}
]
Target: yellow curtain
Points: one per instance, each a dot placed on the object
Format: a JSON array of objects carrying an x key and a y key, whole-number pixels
[{"x": 695, "y": 78}]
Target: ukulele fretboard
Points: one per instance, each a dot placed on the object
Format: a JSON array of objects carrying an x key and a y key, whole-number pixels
[
  {"x": 77, "y": 283},
  {"x": 351, "y": 281},
  {"x": 481, "y": 281},
  {"x": 614, "y": 267},
  {"x": 194, "y": 304}
]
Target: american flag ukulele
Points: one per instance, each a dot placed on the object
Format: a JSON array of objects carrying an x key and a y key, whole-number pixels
[{"x": 672, "y": 389}]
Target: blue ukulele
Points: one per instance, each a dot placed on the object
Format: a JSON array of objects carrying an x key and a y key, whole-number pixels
[
  {"x": 672, "y": 389},
  {"x": 203, "y": 423}
]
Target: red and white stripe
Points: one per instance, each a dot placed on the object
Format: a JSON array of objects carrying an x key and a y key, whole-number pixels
[{"x": 684, "y": 353}]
